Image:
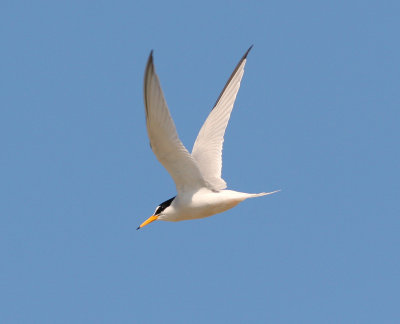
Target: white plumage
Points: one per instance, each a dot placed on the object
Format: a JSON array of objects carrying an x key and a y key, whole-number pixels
[{"x": 197, "y": 176}]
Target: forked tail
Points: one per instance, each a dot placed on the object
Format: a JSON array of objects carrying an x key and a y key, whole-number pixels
[{"x": 263, "y": 194}]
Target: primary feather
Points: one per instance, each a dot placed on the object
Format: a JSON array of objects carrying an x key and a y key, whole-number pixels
[
  {"x": 207, "y": 149},
  {"x": 164, "y": 139}
]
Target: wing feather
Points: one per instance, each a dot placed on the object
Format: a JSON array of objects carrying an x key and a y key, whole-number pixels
[
  {"x": 207, "y": 149},
  {"x": 164, "y": 139}
]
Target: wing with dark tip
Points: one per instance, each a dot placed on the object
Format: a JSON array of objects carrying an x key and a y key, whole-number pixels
[
  {"x": 207, "y": 149},
  {"x": 164, "y": 139}
]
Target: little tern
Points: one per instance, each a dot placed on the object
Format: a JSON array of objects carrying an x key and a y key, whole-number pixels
[{"x": 197, "y": 176}]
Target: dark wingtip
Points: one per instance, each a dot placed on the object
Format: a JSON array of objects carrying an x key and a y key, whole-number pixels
[
  {"x": 244, "y": 57},
  {"x": 247, "y": 52},
  {"x": 150, "y": 57}
]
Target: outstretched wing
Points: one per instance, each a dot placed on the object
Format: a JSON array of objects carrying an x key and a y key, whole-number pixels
[
  {"x": 207, "y": 149},
  {"x": 164, "y": 139}
]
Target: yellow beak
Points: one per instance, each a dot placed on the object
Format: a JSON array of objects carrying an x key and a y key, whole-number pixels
[{"x": 148, "y": 221}]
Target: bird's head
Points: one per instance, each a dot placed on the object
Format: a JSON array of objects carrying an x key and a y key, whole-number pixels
[{"x": 157, "y": 213}]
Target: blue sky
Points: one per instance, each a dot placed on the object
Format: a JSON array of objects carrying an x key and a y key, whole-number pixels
[{"x": 317, "y": 116}]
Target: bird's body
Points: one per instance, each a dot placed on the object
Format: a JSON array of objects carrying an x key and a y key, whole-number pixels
[
  {"x": 203, "y": 203},
  {"x": 197, "y": 176}
]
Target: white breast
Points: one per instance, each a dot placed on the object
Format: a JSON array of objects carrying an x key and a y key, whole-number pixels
[{"x": 202, "y": 203}]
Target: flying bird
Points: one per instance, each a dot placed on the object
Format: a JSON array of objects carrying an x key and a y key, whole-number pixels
[{"x": 200, "y": 188}]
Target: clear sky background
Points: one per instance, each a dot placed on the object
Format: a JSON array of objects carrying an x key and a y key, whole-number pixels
[{"x": 317, "y": 116}]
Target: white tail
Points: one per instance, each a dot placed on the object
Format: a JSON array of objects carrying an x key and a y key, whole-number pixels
[{"x": 263, "y": 194}]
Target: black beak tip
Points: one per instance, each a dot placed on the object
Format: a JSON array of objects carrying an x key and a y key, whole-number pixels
[{"x": 138, "y": 228}]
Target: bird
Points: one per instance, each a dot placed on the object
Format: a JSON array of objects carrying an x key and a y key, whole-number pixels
[{"x": 201, "y": 191}]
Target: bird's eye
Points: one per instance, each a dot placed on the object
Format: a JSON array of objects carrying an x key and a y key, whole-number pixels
[{"x": 157, "y": 210}]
